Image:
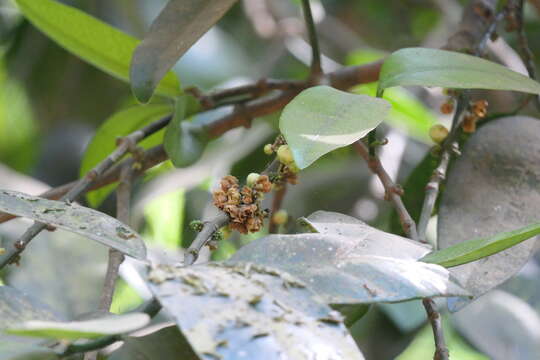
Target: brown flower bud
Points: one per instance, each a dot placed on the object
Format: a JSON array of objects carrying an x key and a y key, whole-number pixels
[{"x": 228, "y": 182}]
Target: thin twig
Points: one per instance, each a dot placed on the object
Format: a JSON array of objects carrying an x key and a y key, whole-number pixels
[
  {"x": 441, "y": 351},
  {"x": 393, "y": 191},
  {"x": 277, "y": 201},
  {"x": 316, "y": 69},
  {"x": 204, "y": 236},
  {"x": 123, "y": 200},
  {"x": 125, "y": 144}
]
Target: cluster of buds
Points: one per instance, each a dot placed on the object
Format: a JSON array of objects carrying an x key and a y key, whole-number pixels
[
  {"x": 243, "y": 205},
  {"x": 477, "y": 110}
]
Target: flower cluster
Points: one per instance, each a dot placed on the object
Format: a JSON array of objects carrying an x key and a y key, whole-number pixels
[{"x": 243, "y": 205}]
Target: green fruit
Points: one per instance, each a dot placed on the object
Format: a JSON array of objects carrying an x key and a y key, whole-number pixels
[
  {"x": 280, "y": 217},
  {"x": 268, "y": 149},
  {"x": 285, "y": 155},
  {"x": 252, "y": 179}
]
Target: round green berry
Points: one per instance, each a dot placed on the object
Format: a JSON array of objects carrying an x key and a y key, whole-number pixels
[{"x": 252, "y": 179}]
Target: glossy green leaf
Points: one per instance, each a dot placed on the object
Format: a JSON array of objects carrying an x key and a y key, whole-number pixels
[
  {"x": 179, "y": 25},
  {"x": 89, "y": 329},
  {"x": 120, "y": 124},
  {"x": 492, "y": 188},
  {"x": 472, "y": 250},
  {"x": 185, "y": 139},
  {"x": 17, "y": 351},
  {"x": 321, "y": 119},
  {"x": 349, "y": 262},
  {"x": 100, "y": 44},
  {"x": 433, "y": 67},
  {"x": 75, "y": 218},
  {"x": 244, "y": 311}
]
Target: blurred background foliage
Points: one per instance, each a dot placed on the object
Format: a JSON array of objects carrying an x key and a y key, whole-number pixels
[{"x": 52, "y": 103}]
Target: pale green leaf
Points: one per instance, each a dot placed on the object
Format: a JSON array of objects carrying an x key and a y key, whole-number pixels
[
  {"x": 179, "y": 25},
  {"x": 321, "y": 119},
  {"x": 432, "y": 67},
  {"x": 89, "y": 329},
  {"x": 98, "y": 43}
]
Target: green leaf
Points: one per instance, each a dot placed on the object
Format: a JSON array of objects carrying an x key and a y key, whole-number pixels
[
  {"x": 491, "y": 188},
  {"x": 432, "y": 67},
  {"x": 185, "y": 140},
  {"x": 17, "y": 351},
  {"x": 100, "y": 44},
  {"x": 179, "y": 25},
  {"x": 165, "y": 216},
  {"x": 75, "y": 218},
  {"x": 349, "y": 262},
  {"x": 321, "y": 119},
  {"x": 121, "y": 123},
  {"x": 245, "y": 310},
  {"x": 89, "y": 329},
  {"x": 472, "y": 250}
]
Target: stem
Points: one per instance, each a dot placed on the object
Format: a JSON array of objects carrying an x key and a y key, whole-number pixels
[
  {"x": 316, "y": 69},
  {"x": 204, "y": 236},
  {"x": 441, "y": 351}
]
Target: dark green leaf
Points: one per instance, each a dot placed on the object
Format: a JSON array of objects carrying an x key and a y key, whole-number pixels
[
  {"x": 185, "y": 140},
  {"x": 179, "y": 25},
  {"x": 89, "y": 329},
  {"x": 321, "y": 119},
  {"x": 166, "y": 344},
  {"x": 432, "y": 67},
  {"x": 364, "y": 266},
  {"x": 17, "y": 351},
  {"x": 75, "y": 218},
  {"x": 100, "y": 44},
  {"x": 248, "y": 311},
  {"x": 472, "y": 250},
  {"x": 120, "y": 124},
  {"x": 491, "y": 188}
]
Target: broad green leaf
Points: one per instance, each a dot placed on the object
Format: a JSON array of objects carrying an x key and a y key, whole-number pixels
[
  {"x": 179, "y": 25},
  {"x": 75, "y": 218},
  {"x": 164, "y": 217},
  {"x": 245, "y": 310},
  {"x": 492, "y": 188},
  {"x": 17, "y": 351},
  {"x": 89, "y": 329},
  {"x": 348, "y": 262},
  {"x": 432, "y": 67},
  {"x": 321, "y": 119},
  {"x": 120, "y": 124},
  {"x": 166, "y": 344},
  {"x": 185, "y": 139},
  {"x": 100, "y": 44},
  {"x": 472, "y": 250}
]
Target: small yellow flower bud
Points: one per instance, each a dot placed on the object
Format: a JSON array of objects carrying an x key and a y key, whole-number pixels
[
  {"x": 252, "y": 179},
  {"x": 438, "y": 133},
  {"x": 285, "y": 155},
  {"x": 280, "y": 217},
  {"x": 268, "y": 149}
]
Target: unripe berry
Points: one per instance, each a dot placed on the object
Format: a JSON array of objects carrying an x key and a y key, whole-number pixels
[
  {"x": 285, "y": 155},
  {"x": 252, "y": 179},
  {"x": 268, "y": 149},
  {"x": 447, "y": 108},
  {"x": 280, "y": 217},
  {"x": 438, "y": 133}
]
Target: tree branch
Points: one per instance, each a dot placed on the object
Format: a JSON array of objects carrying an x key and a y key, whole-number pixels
[
  {"x": 204, "y": 236},
  {"x": 316, "y": 69}
]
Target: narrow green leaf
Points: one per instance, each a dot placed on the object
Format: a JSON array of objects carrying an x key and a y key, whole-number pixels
[
  {"x": 185, "y": 140},
  {"x": 179, "y": 25},
  {"x": 98, "y": 43},
  {"x": 119, "y": 124},
  {"x": 321, "y": 119},
  {"x": 468, "y": 251},
  {"x": 89, "y": 329},
  {"x": 432, "y": 67},
  {"x": 75, "y": 218}
]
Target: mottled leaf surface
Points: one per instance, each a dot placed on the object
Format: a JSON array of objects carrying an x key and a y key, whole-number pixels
[
  {"x": 433, "y": 67},
  {"x": 75, "y": 218},
  {"x": 248, "y": 311},
  {"x": 366, "y": 266},
  {"x": 18, "y": 351},
  {"x": 501, "y": 325},
  {"x": 321, "y": 119},
  {"x": 491, "y": 188},
  {"x": 89, "y": 329},
  {"x": 179, "y": 25},
  {"x": 166, "y": 344},
  {"x": 98, "y": 43},
  {"x": 121, "y": 123}
]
